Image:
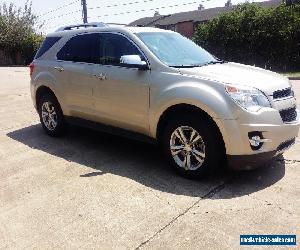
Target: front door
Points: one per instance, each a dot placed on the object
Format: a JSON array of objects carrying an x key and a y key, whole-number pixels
[{"x": 121, "y": 94}]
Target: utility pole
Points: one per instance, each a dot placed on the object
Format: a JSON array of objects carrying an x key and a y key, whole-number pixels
[{"x": 84, "y": 11}]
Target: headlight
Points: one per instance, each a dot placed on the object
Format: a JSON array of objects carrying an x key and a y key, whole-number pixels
[{"x": 249, "y": 98}]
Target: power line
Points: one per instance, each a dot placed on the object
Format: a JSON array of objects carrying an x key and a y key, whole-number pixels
[
  {"x": 122, "y": 4},
  {"x": 143, "y": 10},
  {"x": 59, "y": 8},
  {"x": 125, "y": 12},
  {"x": 62, "y": 15}
]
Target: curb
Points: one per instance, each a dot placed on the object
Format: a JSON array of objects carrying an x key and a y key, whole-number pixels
[{"x": 294, "y": 77}]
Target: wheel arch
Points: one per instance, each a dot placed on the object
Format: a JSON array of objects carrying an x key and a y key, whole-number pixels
[
  {"x": 184, "y": 108},
  {"x": 41, "y": 91},
  {"x": 45, "y": 82}
]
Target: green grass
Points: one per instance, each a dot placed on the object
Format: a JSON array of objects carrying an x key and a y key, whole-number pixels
[{"x": 291, "y": 74}]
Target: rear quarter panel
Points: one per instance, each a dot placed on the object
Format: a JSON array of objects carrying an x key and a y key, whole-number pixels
[{"x": 45, "y": 75}]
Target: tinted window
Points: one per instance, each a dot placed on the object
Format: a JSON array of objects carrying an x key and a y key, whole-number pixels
[
  {"x": 81, "y": 48},
  {"x": 113, "y": 46},
  {"x": 46, "y": 45}
]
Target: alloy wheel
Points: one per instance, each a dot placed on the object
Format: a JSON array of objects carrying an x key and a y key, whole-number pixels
[
  {"x": 187, "y": 148},
  {"x": 49, "y": 116}
]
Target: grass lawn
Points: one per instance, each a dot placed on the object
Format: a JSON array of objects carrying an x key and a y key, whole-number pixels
[{"x": 291, "y": 74}]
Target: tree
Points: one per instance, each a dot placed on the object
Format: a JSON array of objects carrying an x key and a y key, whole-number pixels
[
  {"x": 201, "y": 7},
  {"x": 266, "y": 37},
  {"x": 228, "y": 3},
  {"x": 290, "y": 2},
  {"x": 17, "y": 34},
  {"x": 156, "y": 13}
]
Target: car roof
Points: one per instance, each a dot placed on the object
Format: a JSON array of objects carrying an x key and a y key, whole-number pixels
[{"x": 111, "y": 28}]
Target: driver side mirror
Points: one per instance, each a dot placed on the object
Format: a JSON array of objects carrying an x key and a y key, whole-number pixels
[{"x": 133, "y": 61}]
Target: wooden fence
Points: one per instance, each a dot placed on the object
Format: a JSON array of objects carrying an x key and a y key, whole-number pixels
[{"x": 8, "y": 59}]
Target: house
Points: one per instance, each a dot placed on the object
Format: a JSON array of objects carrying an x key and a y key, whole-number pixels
[{"x": 186, "y": 22}]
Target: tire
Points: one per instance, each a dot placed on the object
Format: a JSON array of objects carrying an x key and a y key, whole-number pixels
[
  {"x": 53, "y": 124},
  {"x": 204, "y": 154}
]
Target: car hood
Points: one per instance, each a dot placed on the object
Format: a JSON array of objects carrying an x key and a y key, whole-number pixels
[{"x": 234, "y": 73}]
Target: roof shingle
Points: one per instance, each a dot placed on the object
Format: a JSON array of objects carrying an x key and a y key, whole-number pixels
[{"x": 195, "y": 16}]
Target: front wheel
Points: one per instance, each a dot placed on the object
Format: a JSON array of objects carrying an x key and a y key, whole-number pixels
[{"x": 193, "y": 147}]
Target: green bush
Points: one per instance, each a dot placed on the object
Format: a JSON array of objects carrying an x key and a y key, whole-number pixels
[
  {"x": 17, "y": 35},
  {"x": 250, "y": 34}
]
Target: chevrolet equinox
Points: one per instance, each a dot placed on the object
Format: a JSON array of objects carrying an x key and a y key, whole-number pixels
[{"x": 157, "y": 84}]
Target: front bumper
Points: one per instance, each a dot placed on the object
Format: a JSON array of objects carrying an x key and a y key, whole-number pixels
[
  {"x": 247, "y": 162},
  {"x": 279, "y": 137}
]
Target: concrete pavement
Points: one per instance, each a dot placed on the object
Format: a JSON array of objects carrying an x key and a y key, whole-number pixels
[{"x": 91, "y": 190}]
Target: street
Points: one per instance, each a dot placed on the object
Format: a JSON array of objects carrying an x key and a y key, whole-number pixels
[{"x": 92, "y": 190}]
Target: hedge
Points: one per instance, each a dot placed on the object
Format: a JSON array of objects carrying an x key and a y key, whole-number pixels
[{"x": 251, "y": 34}]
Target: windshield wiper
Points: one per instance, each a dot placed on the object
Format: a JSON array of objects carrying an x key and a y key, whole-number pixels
[
  {"x": 214, "y": 62},
  {"x": 209, "y": 63},
  {"x": 183, "y": 66},
  {"x": 198, "y": 65}
]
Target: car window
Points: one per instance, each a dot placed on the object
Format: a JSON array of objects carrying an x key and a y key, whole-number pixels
[
  {"x": 46, "y": 45},
  {"x": 113, "y": 46},
  {"x": 176, "y": 50},
  {"x": 81, "y": 48}
]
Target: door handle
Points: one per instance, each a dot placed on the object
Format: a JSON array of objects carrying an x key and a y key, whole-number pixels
[
  {"x": 100, "y": 76},
  {"x": 60, "y": 69}
]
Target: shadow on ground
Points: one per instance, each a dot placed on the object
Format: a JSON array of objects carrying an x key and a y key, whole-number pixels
[{"x": 141, "y": 162}]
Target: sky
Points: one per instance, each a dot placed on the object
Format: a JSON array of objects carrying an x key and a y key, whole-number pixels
[{"x": 57, "y": 13}]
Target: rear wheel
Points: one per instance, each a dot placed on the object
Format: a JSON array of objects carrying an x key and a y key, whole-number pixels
[
  {"x": 51, "y": 115},
  {"x": 193, "y": 147}
]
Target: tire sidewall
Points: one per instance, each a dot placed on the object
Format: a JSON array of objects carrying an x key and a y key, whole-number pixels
[{"x": 213, "y": 151}]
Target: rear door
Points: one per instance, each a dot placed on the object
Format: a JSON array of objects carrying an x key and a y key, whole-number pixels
[{"x": 75, "y": 63}]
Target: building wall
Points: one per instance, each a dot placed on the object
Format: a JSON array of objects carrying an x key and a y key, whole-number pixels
[{"x": 185, "y": 29}]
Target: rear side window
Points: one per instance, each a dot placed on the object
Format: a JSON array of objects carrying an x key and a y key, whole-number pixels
[
  {"x": 46, "y": 45},
  {"x": 81, "y": 48}
]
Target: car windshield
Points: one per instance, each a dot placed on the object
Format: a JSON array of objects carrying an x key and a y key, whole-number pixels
[{"x": 175, "y": 50}]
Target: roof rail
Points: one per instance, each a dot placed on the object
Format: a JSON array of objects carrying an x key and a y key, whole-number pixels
[{"x": 84, "y": 25}]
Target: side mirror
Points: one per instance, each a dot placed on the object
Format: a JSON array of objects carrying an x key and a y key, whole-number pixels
[{"x": 133, "y": 61}]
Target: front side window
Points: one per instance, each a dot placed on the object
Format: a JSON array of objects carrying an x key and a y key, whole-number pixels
[
  {"x": 81, "y": 48},
  {"x": 114, "y": 46},
  {"x": 175, "y": 50}
]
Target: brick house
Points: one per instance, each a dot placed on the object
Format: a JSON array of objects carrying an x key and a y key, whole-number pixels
[{"x": 186, "y": 22}]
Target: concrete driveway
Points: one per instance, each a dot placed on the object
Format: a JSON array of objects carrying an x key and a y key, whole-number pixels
[{"x": 91, "y": 190}]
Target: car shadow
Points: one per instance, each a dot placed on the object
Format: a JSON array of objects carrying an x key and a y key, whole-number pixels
[{"x": 142, "y": 163}]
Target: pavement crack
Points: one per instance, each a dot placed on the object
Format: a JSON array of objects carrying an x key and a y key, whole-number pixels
[
  {"x": 288, "y": 161},
  {"x": 208, "y": 195}
]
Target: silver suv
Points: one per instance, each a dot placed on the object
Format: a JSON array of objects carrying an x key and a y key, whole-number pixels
[{"x": 156, "y": 84}]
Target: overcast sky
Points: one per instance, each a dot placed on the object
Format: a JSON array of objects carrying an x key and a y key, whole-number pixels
[{"x": 106, "y": 12}]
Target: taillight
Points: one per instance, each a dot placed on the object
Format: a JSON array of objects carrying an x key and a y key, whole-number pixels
[{"x": 31, "y": 67}]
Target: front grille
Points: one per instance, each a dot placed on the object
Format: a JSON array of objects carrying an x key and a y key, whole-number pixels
[
  {"x": 288, "y": 115},
  {"x": 286, "y": 144},
  {"x": 282, "y": 93}
]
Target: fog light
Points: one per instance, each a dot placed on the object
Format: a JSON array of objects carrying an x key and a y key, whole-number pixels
[{"x": 256, "y": 140}]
